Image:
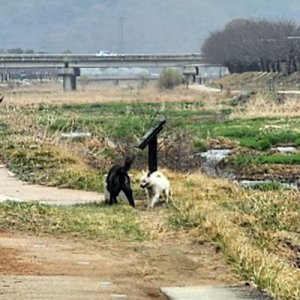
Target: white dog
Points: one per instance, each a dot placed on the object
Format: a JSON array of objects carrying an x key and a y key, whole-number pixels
[{"x": 156, "y": 185}]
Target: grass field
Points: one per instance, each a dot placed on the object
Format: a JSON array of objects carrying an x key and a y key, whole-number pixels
[{"x": 257, "y": 229}]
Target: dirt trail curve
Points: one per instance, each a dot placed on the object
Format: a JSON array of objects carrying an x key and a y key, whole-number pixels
[{"x": 40, "y": 268}]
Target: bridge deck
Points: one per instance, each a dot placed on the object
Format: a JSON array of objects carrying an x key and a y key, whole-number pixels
[{"x": 8, "y": 61}]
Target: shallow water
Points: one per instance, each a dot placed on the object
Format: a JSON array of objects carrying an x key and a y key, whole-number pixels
[
  {"x": 250, "y": 183},
  {"x": 211, "y": 160},
  {"x": 212, "y": 166},
  {"x": 285, "y": 149}
]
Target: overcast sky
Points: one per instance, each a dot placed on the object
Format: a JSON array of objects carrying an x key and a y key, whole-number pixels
[{"x": 132, "y": 26}]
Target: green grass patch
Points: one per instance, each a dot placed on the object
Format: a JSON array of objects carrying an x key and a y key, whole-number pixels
[
  {"x": 129, "y": 121},
  {"x": 50, "y": 165},
  {"x": 200, "y": 146},
  {"x": 266, "y": 186},
  {"x": 264, "y": 141},
  {"x": 124, "y": 124},
  {"x": 91, "y": 221},
  {"x": 252, "y": 143},
  {"x": 259, "y": 159}
]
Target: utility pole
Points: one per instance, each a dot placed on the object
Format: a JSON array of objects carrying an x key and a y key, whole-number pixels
[{"x": 121, "y": 27}]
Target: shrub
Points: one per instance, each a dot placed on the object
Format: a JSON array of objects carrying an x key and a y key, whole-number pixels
[{"x": 169, "y": 78}]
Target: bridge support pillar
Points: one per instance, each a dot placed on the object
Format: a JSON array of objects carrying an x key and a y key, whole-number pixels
[
  {"x": 69, "y": 78},
  {"x": 190, "y": 73}
]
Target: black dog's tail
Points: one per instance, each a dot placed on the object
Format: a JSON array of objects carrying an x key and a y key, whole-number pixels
[{"x": 128, "y": 162}]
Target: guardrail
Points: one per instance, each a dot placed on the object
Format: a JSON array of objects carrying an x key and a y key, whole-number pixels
[{"x": 92, "y": 60}]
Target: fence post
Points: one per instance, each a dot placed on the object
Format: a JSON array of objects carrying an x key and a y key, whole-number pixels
[{"x": 150, "y": 140}]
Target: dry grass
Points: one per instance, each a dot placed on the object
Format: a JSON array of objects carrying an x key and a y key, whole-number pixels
[
  {"x": 264, "y": 106},
  {"x": 265, "y": 103},
  {"x": 207, "y": 208},
  {"x": 95, "y": 93}
]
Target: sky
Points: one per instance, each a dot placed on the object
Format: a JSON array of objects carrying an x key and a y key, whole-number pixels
[{"x": 127, "y": 26}]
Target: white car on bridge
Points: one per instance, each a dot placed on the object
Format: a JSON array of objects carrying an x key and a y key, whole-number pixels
[{"x": 105, "y": 53}]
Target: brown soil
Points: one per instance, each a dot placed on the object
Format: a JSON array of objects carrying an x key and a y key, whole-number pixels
[{"x": 63, "y": 268}]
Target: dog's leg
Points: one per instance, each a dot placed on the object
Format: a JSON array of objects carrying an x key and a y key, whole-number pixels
[
  {"x": 128, "y": 193},
  {"x": 166, "y": 195},
  {"x": 171, "y": 195},
  {"x": 107, "y": 196},
  {"x": 106, "y": 192},
  {"x": 148, "y": 194},
  {"x": 154, "y": 199},
  {"x": 112, "y": 198}
]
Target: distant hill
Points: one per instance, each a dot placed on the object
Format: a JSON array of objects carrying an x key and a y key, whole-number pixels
[{"x": 147, "y": 25}]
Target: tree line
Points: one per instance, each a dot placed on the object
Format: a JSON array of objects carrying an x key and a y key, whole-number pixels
[{"x": 250, "y": 45}]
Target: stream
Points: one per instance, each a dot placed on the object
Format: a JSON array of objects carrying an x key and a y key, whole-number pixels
[{"x": 213, "y": 160}]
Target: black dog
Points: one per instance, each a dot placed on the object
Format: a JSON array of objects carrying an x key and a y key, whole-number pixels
[{"x": 118, "y": 180}]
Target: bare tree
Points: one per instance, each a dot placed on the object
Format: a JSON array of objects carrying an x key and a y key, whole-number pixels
[{"x": 249, "y": 45}]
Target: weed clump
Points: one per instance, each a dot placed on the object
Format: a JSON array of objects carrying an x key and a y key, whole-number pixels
[{"x": 169, "y": 79}]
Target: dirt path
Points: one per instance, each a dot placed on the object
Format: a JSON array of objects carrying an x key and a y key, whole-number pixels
[
  {"x": 64, "y": 268},
  {"x": 204, "y": 88},
  {"x": 13, "y": 189},
  {"x": 49, "y": 268}
]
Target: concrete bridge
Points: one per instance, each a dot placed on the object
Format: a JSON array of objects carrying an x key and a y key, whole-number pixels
[{"x": 69, "y": 64}]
